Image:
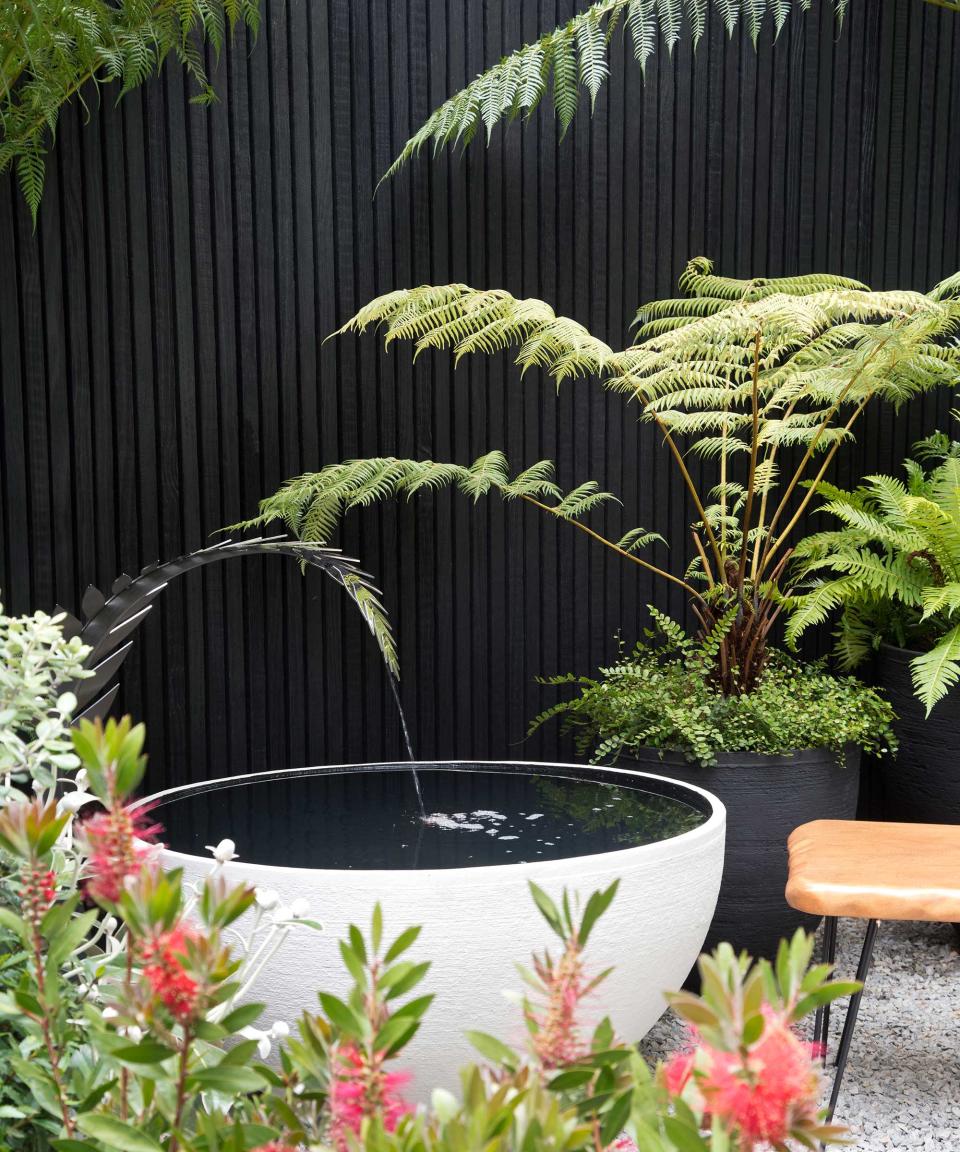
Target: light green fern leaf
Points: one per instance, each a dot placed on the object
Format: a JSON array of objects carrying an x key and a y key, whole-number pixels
[
  {"x": 573, "y": 57},
  {"x": 937, "y": 671}
]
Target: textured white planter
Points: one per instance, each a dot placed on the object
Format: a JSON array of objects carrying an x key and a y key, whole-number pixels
[{"x": 478, "y": 922}]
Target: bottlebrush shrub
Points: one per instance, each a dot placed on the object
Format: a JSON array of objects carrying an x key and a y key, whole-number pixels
[
  {"x": 661, "y": 695},
  {"x": 117, "y": 988},
  {"x": 145, "y": 1060}
]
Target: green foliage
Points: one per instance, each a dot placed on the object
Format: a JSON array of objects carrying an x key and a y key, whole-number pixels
[
  {"x": 573, "y": 58},
  {"x": 36, "y": 665},
  {"x": 146, "y": 1050},
  {"x": 738, "y": 372},
  {"x": 892, "y": 570},
  {"x": 312, "y": 506},
  {"x": 49, "y": 49},
  {"x": 660, "y": 695}
]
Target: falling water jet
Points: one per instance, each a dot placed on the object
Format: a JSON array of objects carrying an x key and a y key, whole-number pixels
[
  {"x": 111, "y": 620},
  {"x": 394, "y": 688}
]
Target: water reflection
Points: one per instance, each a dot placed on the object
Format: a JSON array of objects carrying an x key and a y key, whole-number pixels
[{"x": 371, "y": 819}]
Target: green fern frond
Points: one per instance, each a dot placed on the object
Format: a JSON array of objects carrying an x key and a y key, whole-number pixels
[
  {"x": 581, "y": 500},
  {"x": 573, "y": 58},
  {"x": 638, "y": 538},
  {"x": 816, "y": 605},
  {"x": 937, "y": 671},
  {"x": 945, "y": 599},
  {"x": 53, "y": 48},
  {"x": 313, "y": 505},
  {"x": 894, "y": 567}
]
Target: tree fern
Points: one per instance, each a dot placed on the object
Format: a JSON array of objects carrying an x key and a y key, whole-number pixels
[
  {"x": 893, "y": 570},
  {"x": 52, "y": 48},
  {"x": 764, "y": 365},
  {"x": 573, "y": 58}
]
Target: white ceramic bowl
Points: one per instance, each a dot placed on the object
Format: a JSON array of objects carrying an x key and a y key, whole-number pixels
[{"x": 478, "y": 922}]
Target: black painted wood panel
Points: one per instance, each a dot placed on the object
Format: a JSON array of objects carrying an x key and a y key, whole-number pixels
[{"x": 162, "y": 362}]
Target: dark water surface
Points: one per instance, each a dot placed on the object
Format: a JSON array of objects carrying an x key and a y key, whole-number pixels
[{"x": 371, "y": 819}]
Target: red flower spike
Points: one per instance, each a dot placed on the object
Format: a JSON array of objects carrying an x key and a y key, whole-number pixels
[
  {"x": 117, "y": 843},
  {"x": 762, "y": 1097},
  {"x": 556, "y": 1041},
  {"x": 164, "y": 969},
  {"x": 360, "y": 1088}
]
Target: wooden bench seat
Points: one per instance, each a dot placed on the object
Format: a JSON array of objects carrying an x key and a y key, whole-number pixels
[
  {"x": 870, "y": 871},
  {"x": 875, "y": 871}
]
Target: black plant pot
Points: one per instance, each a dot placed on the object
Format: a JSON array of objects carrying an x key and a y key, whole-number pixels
[
  {"x": 922, "y": 783},
  {"x": 766, "y": 797}
]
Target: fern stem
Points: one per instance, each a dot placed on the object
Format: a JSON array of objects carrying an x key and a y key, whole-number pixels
[
  {"x": 692, "y": 488},
  {"x": 811, "y": 448},
  {"x": 754, "y": 449},
  {"x": 616, "y": 548},
  {"x": 812, "y": 491},
  {"x": 708, "y": 571}
]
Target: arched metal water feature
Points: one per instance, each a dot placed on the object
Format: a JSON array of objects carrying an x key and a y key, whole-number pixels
[{"x": 110, "y": 622}]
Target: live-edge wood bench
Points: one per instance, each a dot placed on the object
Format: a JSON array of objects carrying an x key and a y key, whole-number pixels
[{"x": 873, "y": 871}]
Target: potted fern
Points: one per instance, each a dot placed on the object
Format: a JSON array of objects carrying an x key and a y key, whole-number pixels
[
  {"x": 891, "y": 568},
  {"x": 764, "y": 381}
]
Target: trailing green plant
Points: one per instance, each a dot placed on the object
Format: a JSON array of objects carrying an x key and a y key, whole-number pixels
[
  {"x": 737, "y": 372},
  {"x": 573, "y": 59},
  {"x": 892, "y": 570},
  {"x": 660, "y": 694},
  {"x": 50, "y": 49}
]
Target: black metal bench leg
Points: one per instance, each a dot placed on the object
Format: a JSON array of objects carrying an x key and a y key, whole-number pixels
[
  {"x": 821, "y": 1022},
  {"x": 851, "y": 1021}
]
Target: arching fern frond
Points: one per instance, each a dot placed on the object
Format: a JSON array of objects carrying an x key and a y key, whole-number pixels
[
  {"x": 573, "y": 59},
  {"x": 313, "y": 505}
]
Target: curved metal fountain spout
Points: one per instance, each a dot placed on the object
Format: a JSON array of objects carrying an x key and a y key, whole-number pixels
[{"x": 110, "y": 621}]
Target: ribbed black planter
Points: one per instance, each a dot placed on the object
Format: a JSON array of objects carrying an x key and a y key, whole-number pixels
[
  {"x": 766, "y": 798},
  {"x": 922, "y": 783}
]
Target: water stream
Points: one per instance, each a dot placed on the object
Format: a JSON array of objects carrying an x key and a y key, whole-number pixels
[{"x": 395, "y": 688}]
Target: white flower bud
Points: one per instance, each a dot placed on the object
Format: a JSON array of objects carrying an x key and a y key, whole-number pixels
[
  {"x": 444, "y": 1104},
  {"x": 267, "y": 898},
  {"x": 299, "y": 908},
  {"x": 224, "y": 852}
]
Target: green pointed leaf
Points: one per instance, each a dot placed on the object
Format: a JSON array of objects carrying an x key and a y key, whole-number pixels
[
  {"x": 226, "y": 1079},
  {"x": 492, "y": 1049},
  {"x": 116, "y": 1133}
]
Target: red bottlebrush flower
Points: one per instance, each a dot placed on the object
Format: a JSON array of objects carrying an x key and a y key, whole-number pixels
[
  {"x": 163, "y": 967},
  {"x": 768, "y": 1093},
  {"x": 117, "y": 845},
  {"x": 677, "y": 1072},
  {"x": 38, "y": 890},
  {"x": 360, "y": 1088},
  {"x": 556, "y": 1038}
]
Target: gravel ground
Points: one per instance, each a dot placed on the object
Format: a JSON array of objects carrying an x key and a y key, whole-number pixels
[{"x": 901, "y": 1089}]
